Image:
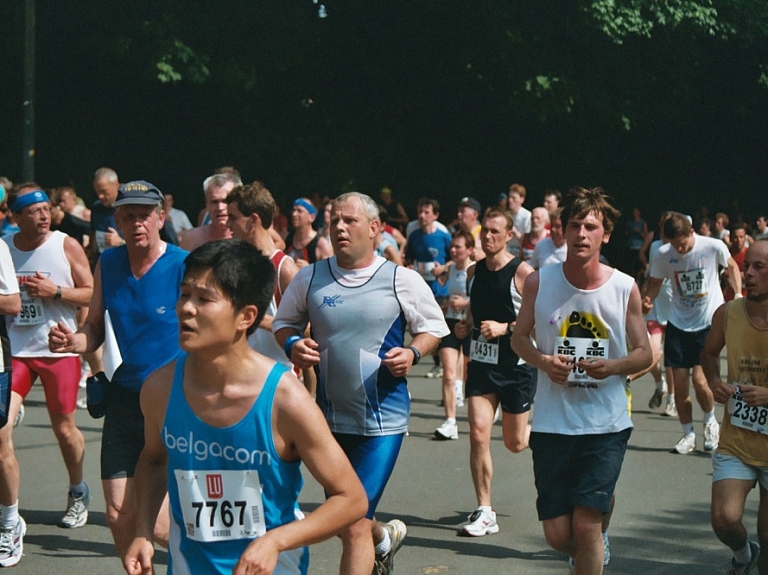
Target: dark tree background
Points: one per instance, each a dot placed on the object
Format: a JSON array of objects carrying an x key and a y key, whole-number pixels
[{"x": 664, "y": 104}]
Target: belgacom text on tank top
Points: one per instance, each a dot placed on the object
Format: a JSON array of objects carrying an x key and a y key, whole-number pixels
[{"x": 583, "y": 336}]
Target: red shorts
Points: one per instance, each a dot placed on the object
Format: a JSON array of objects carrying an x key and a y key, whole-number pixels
[
  {"x": 60, "y": 377},
  {"x": 655, "y": 327}
]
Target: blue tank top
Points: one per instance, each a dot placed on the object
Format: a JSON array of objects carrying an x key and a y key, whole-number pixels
[
  {"x": 143, "y": 312},
  {"x": 226, "y": 486}
]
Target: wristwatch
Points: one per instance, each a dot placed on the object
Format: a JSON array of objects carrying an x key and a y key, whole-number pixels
[
  {"x": 510, "y": 328},
  {"x": 58, "y": 293},
  {"x": 416, "y": 354}
]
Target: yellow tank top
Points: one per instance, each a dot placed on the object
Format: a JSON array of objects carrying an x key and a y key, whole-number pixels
[{"x": 747, "y": 354}]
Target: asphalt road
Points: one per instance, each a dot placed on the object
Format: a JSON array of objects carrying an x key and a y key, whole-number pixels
[{"x": 660, "y": 526}]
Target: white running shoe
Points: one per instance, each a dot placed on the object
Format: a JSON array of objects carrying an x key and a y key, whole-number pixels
[
  {"x": 606, "y": 549},
  {"x": 82, "y": 403},
  {"x": 77, "y": 509},
  {"x": 686, "y": 444},
  {"x": 435, "y": 373},
  {"x": 384, "y": 564},
  {"x": 711, "y": 435},
  {"x": 19, "y": 416},
  {"x": 12, "y": 544},
  {"x": 480, "y": 523},
  {"x": 746, "y": 568},
  {"x": 458, "y": 386},
  {"x": 670, "y": 410},
  {"x": 448, "y": 430}
]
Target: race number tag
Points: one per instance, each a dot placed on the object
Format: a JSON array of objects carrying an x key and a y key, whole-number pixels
[
  {"x": 425, "y": 270},
  {"x": 32, "y": 312},
  {"x": 221, "y": 505},
  {"x": 459, "y": 314},
  {"x": 692, "y": 283},
  {"x": 578, "y": 349},
  {"x": 742, "y": 415},
  {"x": 483, "y": 350}
]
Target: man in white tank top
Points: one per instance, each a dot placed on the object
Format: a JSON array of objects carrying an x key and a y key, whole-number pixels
[
  {"x": 584, "y": 313},
  {"x": 55, "y": 278}
]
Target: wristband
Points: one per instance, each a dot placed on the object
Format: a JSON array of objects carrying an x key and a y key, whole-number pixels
[
  {"x": 289, "y": 343},
  {"x": 58, "y": 293},
  {"x": 416, "y": 355}
]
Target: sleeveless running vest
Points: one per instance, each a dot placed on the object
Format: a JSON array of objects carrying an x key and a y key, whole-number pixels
[
  {"x": 493, "y": 297},
  {"x": 581, "y": 323},
  {"x": 262, "y": 340},
  {"x": 308, "y": 253},
  {"x": 226, "y": 486},
  {"x": 357, "y": 326},
  {"x": 747, "y": 352},
  {"x": 143, "y": 312},
  {"x": 28, "y": 331}
]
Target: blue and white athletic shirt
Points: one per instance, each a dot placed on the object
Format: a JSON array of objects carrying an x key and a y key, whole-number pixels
[
  {"x": 226, "y": 486},
  {"x": 357, "y": 316},
  {"x": 143, "y": 312}
]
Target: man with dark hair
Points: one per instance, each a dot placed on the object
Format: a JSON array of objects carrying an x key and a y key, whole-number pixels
[
  {"x": 360, "y": 305},
  {"x": 136, "y": 288},
  {"x": 741, "y": 459},
  {"x": 738, "y": 251},
  {"x": 236, "y": 509},
  {"x": 692, "y": 263},
  {"x": 552, "y": 199},
  {"x": 586, "y": 315}
]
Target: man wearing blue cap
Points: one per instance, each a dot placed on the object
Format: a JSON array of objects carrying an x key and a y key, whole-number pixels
[
  {"x": 55, "y": 278},
  {"x": 136, "y": 288}
]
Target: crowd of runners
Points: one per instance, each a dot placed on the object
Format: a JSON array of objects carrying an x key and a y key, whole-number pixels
[{"x": 223, "y": 355}]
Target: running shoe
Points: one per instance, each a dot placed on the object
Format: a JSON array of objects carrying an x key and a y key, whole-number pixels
[
  {"x": 12, "y": 544},
  {"x": 606, "y": 549},
  {"x": 384, "y": 564},
  {"x": 711, "y": 435},
  {"x": 670, "y": 410},
  {"x": 480, "y": 523},
  {"x": 435, "y": 373},
  {"x": 448, "y": 430},
  {"x": 686, "y": 444},
  {"x": 655, "y": 401},
  {"x": 19, "y": 416},
  {"x": 82, "y": 403},
  {"x": 745, "y": 568},
  {"x": 77, "y": 509}
]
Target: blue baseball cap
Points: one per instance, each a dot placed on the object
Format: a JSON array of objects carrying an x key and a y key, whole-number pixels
[{"x": 138, "y": 193}]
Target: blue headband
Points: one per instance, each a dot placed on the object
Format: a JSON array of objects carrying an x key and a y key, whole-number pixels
[
  {"x": 306, "y": 205},
  {"x": 22, "y": 202}
]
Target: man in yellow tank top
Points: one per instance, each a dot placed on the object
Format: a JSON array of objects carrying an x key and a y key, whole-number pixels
[{"x": 741, "y": 459}]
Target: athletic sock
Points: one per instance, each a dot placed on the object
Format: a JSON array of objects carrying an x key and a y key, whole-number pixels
[
  {"x": 744, "y": 556},
  {"x": 687, "y": 428},
  {"x": 671, "y": 397},
  {"x": 660, "y": 385},
  {"x": 384, "y": 545},
  {"x": 709, "y": 416},
  {"x": 451, "y": 420},
  {"x": 79, "y": 488},
  {"x": 9, "y": 515}
]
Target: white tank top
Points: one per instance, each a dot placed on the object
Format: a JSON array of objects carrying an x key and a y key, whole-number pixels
[
  {"x": 457, "y": 285},
  {"x": 28, "y": 331},
  {"x": 581, "y": 323}
]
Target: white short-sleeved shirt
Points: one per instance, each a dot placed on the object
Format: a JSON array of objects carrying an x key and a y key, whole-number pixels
[
  {"x": 696, "y": 292},
  {"x": 546, "y": 253}
]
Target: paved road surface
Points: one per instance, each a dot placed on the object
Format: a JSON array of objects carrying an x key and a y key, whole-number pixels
[{"x": 661, "y": 523}]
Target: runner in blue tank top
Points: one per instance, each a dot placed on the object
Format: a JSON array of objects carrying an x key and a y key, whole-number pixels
[{"x": 226, "y": 431}]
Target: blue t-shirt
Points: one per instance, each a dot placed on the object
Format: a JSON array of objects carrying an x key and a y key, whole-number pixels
[
  {"x": 424, "y": 250},
  {"x": 143, "y": 312}
]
